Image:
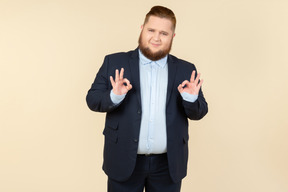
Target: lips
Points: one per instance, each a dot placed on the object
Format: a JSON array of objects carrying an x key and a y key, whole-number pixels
[{"x": 155, "y": 45}]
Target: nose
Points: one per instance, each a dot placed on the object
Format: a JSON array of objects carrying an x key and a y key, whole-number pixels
[{"x": 156, "y": 37}]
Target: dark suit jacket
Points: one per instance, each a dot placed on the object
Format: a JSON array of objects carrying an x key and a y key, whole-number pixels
[{"x": 122, "y": 125}]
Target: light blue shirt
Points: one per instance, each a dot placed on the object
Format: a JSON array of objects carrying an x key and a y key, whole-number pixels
[{"x": 153, "y": 83}]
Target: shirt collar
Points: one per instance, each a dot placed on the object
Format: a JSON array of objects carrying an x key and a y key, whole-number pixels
[{"x": 144, "y": 60}]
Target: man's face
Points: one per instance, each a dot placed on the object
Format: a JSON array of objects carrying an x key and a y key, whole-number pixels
[{"x": 156, "y": 37}]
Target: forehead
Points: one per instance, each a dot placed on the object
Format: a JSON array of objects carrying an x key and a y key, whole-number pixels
[{"x": 159, "y": 23}]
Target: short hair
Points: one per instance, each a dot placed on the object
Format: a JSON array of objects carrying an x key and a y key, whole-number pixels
[{"x": 162, "y": 12}]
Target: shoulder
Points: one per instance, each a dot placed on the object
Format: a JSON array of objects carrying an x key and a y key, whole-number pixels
[
  {"x": 117, "y": 60},
  {"x": 121, "y": 55},
  {"x": 180, "y": 62}
]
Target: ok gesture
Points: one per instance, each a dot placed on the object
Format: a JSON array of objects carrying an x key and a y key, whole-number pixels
[
  {"x": 120, "y": 86},
  {"x": 193, "y": 86}
]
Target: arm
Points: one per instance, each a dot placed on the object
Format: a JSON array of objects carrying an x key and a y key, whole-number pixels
[
  {"x": 194, "y": 103},
  {"x": 99, "y": 96}
]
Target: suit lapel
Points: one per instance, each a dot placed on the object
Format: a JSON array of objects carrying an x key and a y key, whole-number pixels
[
  {"x": 172, "y": 70},
  {"x": 134, "y": 67}
]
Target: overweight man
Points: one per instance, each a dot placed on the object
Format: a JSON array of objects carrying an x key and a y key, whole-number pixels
[{"x": 148, "y": 96}]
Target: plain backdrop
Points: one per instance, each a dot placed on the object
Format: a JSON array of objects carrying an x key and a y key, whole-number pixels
[{"x": 51, "y": 50}]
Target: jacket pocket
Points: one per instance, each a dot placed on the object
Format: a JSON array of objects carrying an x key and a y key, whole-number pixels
[{"x": 111, "y": 131}]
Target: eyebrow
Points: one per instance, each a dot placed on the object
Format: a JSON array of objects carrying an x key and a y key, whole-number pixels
[{"x": 160, "y": 31}]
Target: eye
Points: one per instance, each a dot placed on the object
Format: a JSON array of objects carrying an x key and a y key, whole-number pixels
[
  {"x": 164, "y": 33},
  {"x": 151, "y": 30}
]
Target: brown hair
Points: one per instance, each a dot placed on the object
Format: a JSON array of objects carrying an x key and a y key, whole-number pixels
[{"x": 162, "y": 12}]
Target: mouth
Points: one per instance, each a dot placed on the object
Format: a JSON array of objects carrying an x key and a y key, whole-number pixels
[{"x": 155, "y": 45}]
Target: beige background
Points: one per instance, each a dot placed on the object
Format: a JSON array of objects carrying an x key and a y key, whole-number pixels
[{"x": 50, "y": 51}]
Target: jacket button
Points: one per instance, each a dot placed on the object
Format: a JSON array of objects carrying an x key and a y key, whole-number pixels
[
  {"x": 135, "y": 140},
  {"x": 139, "y": 112}
]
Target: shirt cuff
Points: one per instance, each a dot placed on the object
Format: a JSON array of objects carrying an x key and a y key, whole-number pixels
[
  {"x": 116, "y": 99},
  {"x": 189, "y": 97}
]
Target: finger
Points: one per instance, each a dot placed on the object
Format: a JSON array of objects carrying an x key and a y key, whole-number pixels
[
  {"x": 126, "y": 81},
  {"x": 116, "y": 75},
  {"x": 192, "y": 76},
  {"x": 184, "y": 83},
  {"x": 200, "y": 84},
  {"x": 180, "y": 88},
  {"x": 128, "y": 85},
  {"x": 121, "y": 73},
  {"x": 197, "y": 78},
  {"x": 112, "y": 81}
]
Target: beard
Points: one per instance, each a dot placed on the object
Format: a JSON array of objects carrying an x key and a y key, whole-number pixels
[{"x": 153, "y": 56}]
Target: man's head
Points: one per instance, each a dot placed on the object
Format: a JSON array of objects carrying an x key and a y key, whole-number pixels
[
  {"x": 157, "y": 33},
  {"x": 162, "y": 12}
]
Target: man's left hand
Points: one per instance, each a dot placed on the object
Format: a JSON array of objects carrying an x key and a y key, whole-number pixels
[{"x": 193, "y": 86}]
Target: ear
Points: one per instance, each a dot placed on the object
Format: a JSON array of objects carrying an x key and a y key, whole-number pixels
[
  {"x": 174, "y": 35},
  {"x": 142, "y": 26}
]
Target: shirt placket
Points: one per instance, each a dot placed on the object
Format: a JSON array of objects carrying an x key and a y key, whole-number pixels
[{"x": 153, "y": 86}]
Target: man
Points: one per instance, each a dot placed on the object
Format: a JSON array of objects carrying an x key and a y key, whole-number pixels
[{"x": 147, "y": 106}]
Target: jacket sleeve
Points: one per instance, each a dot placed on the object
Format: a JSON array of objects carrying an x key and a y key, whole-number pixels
[
  {"x": 98, "y": 97},
  {"x": 196, "y": 110}
]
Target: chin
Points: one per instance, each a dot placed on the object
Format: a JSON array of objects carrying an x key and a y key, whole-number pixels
[{"x": 155, "y": 50}]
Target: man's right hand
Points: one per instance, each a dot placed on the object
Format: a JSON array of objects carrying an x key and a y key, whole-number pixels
[{"x": 120, "y": 86}]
